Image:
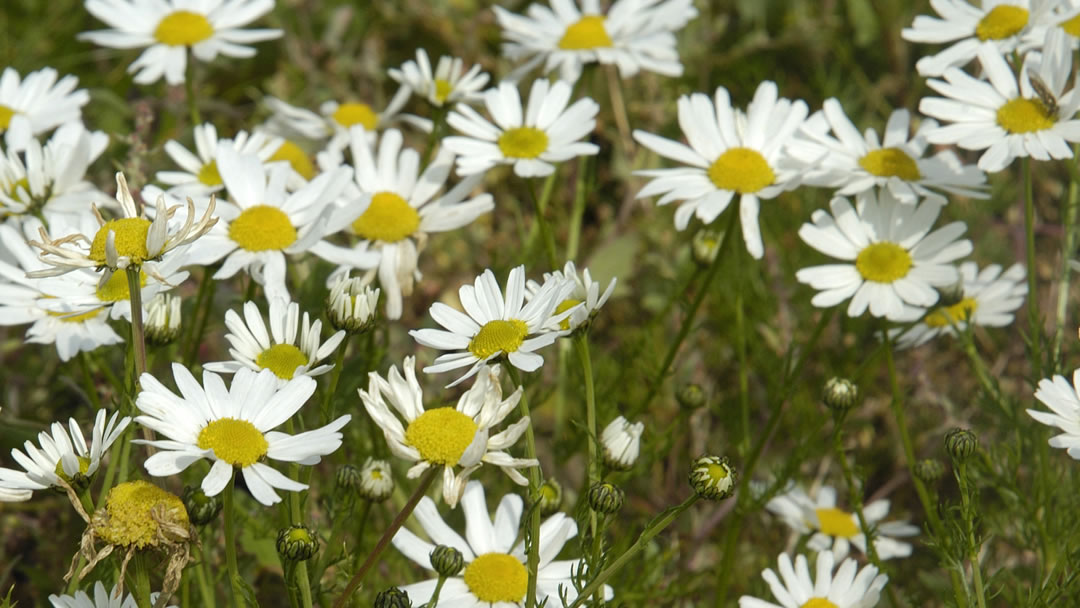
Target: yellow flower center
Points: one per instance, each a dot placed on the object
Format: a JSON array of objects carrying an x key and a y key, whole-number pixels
[
  {"x": 588, "y": 33},
  {"x": 1071, "y": 27},
  {"x": 564, "y": 306},
  {"x": 1003, "y": 21},
  {"x": 717, "y": 472},
  {"x": 497, "y": 577},
  {"x": 742, "y": 170},
  {"x": 262, "y": 228},
  {"x": 443, "y": 88},
  {"x": 183, "y": 28},
  {"x": 890, "y": 162},
  {"x": 947, "y": 315},
  {"x": 209, "y": 174},
  {"x": 523, "y": 142},
  {"x": 282, "y": 359},
  {"x": 67, "y": 317},
  {"x": 388, "y": 218},
  {"x": 498, "y": 336},
  {"x": 127, "y": 521},
  {"x": 237, "y": 442},
  {"x": 116, "y": 288},
  {"x": 835, "y": 522},
  {"x": 1022, "y": 115},
  {"x": 24, "y": 183},
  {"x": 6, "y": 115},
  {"x": 84, "y": 466},
  {"x": 818, "y": 602},
  {"x": 883, "y": 262},
  {"x": 349, "y": 114},
  {"x": 130, "y": 239},
  {"x": 441, "y": 435},
  {"x": 288, "y": 151}
]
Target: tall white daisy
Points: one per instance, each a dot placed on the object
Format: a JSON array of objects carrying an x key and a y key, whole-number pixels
[
  {"x": 730, "y": 153},
  {"x": 1064, "y": 402},
  {"x": 36, "y": 104},
  {"x": 168, "y": 28},
  {"x": 233, "y": 428},
  {"x": 546, "y": 132},
  {"x": 200, "y": 174},
  {"x": 634, "y": 35},
  {"x": 447, "y": 437},
  {"x": 890, "y": 259},
  {"x": 584, "y": 301},
  {"x": 449, "y": 83},
  {"x": 849, "y": 587},
  {"x": 336, "y": 118}
]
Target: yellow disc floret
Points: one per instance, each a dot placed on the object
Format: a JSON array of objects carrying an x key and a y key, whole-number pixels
[
  {"x": 443, "y": 88},
  {"x": 835, "y": 522},
  {"x": 237, "y": 442},
  {"x": 441, "y": 435},
  {"x": 587, "y": 33},
  {"x": 84, "y": 466},
  {"x": 498, "y": 336},
  {"x": 1022, "y": 115},
  {"x": 116, "y": 288},
  {"x": 818, "y": 602},
  {"x": 130, "y": 239},
  {"x": 262, "y": 228},
  {"x": 6, "y": 115},
  {"x": 890, "y": 162},
  {"x": 523, "y": 142},
  {"x": 741, "y": 169},
  {"x": 564, "y": 306},
  {"x": 183, "y": 28},
  {"x": 1001, "y": 22},
  {"x": 497, "y": 577},
  {"x": 209, "y": 175},
  {"x": 128, "y": 521},
  {"x": 883, "y": 262},
  {"x": 1071, "y": 27},
  {"x": 947, "y": 315},
  {"x": 388, "y": 218},
  {"x": 282, "y": 359},
  {"x": 68, "y": 317},
  {"x": 288, "y": 151},
  {"x": 349, "y": 114}
]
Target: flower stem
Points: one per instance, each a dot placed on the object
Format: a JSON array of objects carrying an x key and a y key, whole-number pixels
[
  {"x": 189, "y": 91},
  {"x": 969, "y": 525},
  {"x": 140, "y": 590},
  {"x": 541, "y": 204},
  {"x": 578, "y": 211},
  {"x": 434, "y": 601},
  {"x": 335, "y": 376},
  {"x": 194, "y": 329},
  {"x": 1068, "y": 223},
  {"x": 1032, "y": 272},
  {"x": 361, "y": 524},
  {"x": 88, "y": 379},
  {"x": 206, "y": 591},
  {"x": 437, "y": 127},
  {"x": 740, "y": 354},
  {"x": 138, "y": 340},
  {"x": 582, "y": 344},
  {"x": 230, "y": 544},
  {"x": 533, "y": 536}
]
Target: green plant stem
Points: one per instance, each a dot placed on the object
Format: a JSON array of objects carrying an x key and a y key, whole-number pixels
[
  {"x": 189, "y": 91},
  {"x": 582, "y": 344},
  {"x": 740, "y": 355},
  {"x": 206, "y": 591},
  {"x": 192, "y": 330},
  {"x": 384, "y": 541},
  {"x": 437, "y": 127},
  {"x": 361, "y": 524},
  {"x": 540, "y": 204},
  {"x": 434, "y": 601},
  {"x": 1068, "y": 224},
  {"x": 969, "y": 525},
  {"x": 1032, "y": 272},
  {"x": 533, "y": 537},
  {"x": 331, "y": 390},
  {"x": 304, "y": 584},
  {"x": 138, "y": 340},
  {"x": 88, "y": 380},
  {"x": 230, "y": 544},
  {"x": 577, "y": 213},
  {"x": 140, "y": 590},
  {"x": 854, "y": 493},
  {"x": 337, "y": 533}
]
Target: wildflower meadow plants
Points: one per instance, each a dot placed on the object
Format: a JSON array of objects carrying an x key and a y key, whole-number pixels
[{"x": 561, "y": 303}]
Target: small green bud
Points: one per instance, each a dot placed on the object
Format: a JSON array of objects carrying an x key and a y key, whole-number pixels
[
  {"x": 606, "y": 498},
  {"x": 201, "y": 509},
  {"x": 691, "y": 396},
  {"x": 351, "y": 305},
  {"x": 392, "y": 598},
  {"x": 705, "y": 246},
  {"x": 929, "y": 470},
  {"x": 347, "y": 479},
  {"x": 447, "y": 561},
  {"x": 713, "y": 477},
  {"x": 840, "y": 395},
  {"x": 961, "y": 443},
  {"x": 297, "y": 543},
  {"x": 550, "y": 496}
]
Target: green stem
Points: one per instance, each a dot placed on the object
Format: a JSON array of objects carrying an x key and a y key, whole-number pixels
[
  {"x": 533, "y": 537},
  {"x": 582, "y": 344},
  {"x": 740, "y": 355},
  {"x": 577, "y": 214},
  {"x": 138, "y": 340},
  {"x": 361, "y": 524},
  {"x": 88, "y": 380},
  {"x": 191, "y": 331},
  {"x": 141, "y": 589},
  {"x": 206, "y": 591},
  {"x": 304, "y": 584},
  {"x": 1068, "y": 224},
  {"x": 541, "y": 204},
  {"x": 230, "y": 544},
  {"x": 437, "y": 128},
  {"x": 969, "y": 524},
  {"x": 434, "y": 601},
  {"x": 189, "y": 91},
  {"x": 335, "y": 376},
  {"x": 1032, "y": 271}
]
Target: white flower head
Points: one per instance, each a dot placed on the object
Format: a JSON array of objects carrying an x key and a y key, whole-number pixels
[
  {"x": 199, "y": 174},
  {"x": 1064, "y": 402},
  {"x": 584, "y": 302},
  {"x": 351, "y": 305},
  {"x": 336, "y": 118},
  {"x": 621, "y": 442},
  {"x": 101, "y": 599},
  {"x": 376, "y": 480},
  {"x": 37, "y": 104},
  {"x": 51, "y": 179},
  {"x": 163, "y": 318},
  {"x": 849, "y": 587},
  {"x": 449, "y": 83}
]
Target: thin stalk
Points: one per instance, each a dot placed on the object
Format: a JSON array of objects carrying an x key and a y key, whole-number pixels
[
  {"x": 1032, "y": 272},
  {"x": 540, "y": 203},
  {"x": 434, "y": 601},
  {"x": 361, "y": 525},
  {"x": 533, "y": 557},
  {"x": 88, "y": 380},
  {"x": 582, "y": 344},
  {"x": 304, "y": 584},
  {"x": 335, "y": 376},
  {"x": 206, "y": 591},
  {"x": 740, "y": 355},
  {"x": 969, "y": 524},
  {"x": 230, "y": 544},
  {"x": 577, "y": 213},
  {"x": 1068, "y": 224},
  {"x": 141, "y": 589},
  {"x": 138, "y": 340},
  {"x": 189, "y": 334},
  {"x": 437, "y": 127},
  {"x": 189, "y": 91}
]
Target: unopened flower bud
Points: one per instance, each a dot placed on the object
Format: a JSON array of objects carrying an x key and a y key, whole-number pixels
[
  {"x": 447, "y": 561},
  {"x": 713, "y": 477},
  {"x": 297, "y": 543},
  {"x": 950, "y": 295},
  {"x": 929, "y": 470},
  {"x": 376, "y": 481},
  {"x": 961, "y": 443},
  {"x": 392, "y": 598},
  {"x": 162, "y": 324},
  {"x": 201, "y": 509},
  {"x": 606, "y": 498},
  {"x": 691, "y": 396},
  {"x": 550, "y": 496},
  {"x": 705, "y": 246},
  {"x": 840, "y": 394},
  {"x": 621, "y": 442},
  {"x": 351, "y": 305},
  {"x": 347, "y": 479}
]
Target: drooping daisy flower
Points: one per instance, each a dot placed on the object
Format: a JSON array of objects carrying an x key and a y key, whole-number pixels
[
  {"x": 729, "y": 153},
  {"x": 232, "y": 427},
  {"x": 336, "y": 118},
  {"x": 1064, "y": 402},
  {"x": 835, "y": 530},
  {"x": 855, "y": 163},
  {"x": 621, "y": 443},
  {"x": 495, "y": 574},
  {"x": 494, "y": 325},
  {"x": 170, "y": 27},
  {"x": 891, "y": 260},
  {"x": 1006, "y": 120},
  {"x": 989, "y": 299},
  {"x": 448, "y": 84},
  {"x": 36, "y": 104},
  {"x": 64, "y": 454},
  {"x": 633, "y": 35},
  {"x": 200, "y": 174},
  {"x": 278, "y": 351},
  {"x": 586, "y": 293},
  {"x": 546, "y": 132},
  {"x": 850, "y": 587},
  {"x": 447, "y": 437},
  {"x": 101, "y": 599}
]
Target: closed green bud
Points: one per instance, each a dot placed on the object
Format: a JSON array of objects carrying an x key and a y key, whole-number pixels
[
  {"x": 705, "y": 246},
  {"x": 960, "y": 444},
  {"x": 297, "y": 543},
  {"x": 347, "y": 479},
  {"x": 550, "y": 496},
  {"x": 929, "y": 470},
  {"x": 691, "y": 396},
  {"x": 713, "y": 477},
  {"x": 840, "y": 394},
  {"x": 201, "y": 509},
  {"x": 606, "y": 498},
  {"x": 392, "y": 598},
  {"x": 447, "y": 561},
  {"x": 162, "y": 323}
]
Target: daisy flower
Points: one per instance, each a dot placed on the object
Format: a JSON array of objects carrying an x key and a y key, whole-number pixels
[
  {"x": 495, "y": 574},
  {"x": 335, "y": 119},
  {"x": 406, "y": 206},
  {"x": 277, "y": 350},
  {"x": 101, "y": 599},
  {"x": 1064, "y": 402},
  {"x": 990, "y": 297},
  {"x": 634, "y": 35},
  {"x": 200, "y": 174},
  {"x": 546, "y": 132},
  {"x": 729, "y": 153},
  {"x": 891, "y": 260},
  {"x": 850, "y": 587},
  {"x": 584, "y": 301},
  {"x": 447, "y": 437},
  {"x": 168, "y": 28},
  {"x": 64, "y": 454},
  {"x": 233, "y": 428},
  {"x": 837, "y": 530},
  {"x": 448, "y": 84},
  {"x": 14, "y": 495},
  {"x": 494, "y": 325},
  {"x": 1007, "y": 120},
  {"x": 36, "y": 104},
  {"x": 855, "y": 163}
]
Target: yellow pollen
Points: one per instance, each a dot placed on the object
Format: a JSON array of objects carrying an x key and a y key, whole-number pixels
[
  {"x": 262, "y": 228},
  {"x": 67, "y": 317},
  {"x": 443, "y": 88},
  {"x": 183, "y": 28},
  {"x": 497, "y": 577},
  {"x": 523, "y": 142},
  {"x": 6, "y": 114},
  {"x": 835, "y": 522},
  {"x": 1022, "y": 115},
  {"x": 84, "y": 466},
  {"x": 818, "y": 602},
  {"x": 282, "y": 359},
  {"x": 588, "y": 33},
  {"x": 349, "y": 114},
  {"x": 1003, "y": 21},
  {"x": 237, "y": 442},
  {"x": 299, "y": 160},
  {"x": 128, "y": 521},
  {"x": 116, "y": 288},
  {"x": 890, "y": 162},
  {"x": 441, "y": 435},
  {"x": 388, "y": 218},
  {"x": 498, "y": 336},
  {"x": 130, "y": 239},
  {"x": 1071, "y": 27},
  {"x": 209, "y": 175},
  {"x": 883, "y": 262},
  {"x": 947, "y": 315},
  {"x": 564, "y": 306},
  {"x": 742, "y": 170}
]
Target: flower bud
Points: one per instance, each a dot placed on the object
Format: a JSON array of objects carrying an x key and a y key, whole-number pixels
[
  {"x": 606, "y": 498},
  {"x": 351, "y": 305},
  {"x": 201, "y": 509},
  {"x": 705, "y": 246},
  {"x": 392, "y": 598},
  {"x": 840, "y": 395},
  {"x": 550, "y": 496},
  {"x": 162, "y": 324},
  {"x": 376, "y": 481},
  {"x": 447, "y": 561},
  {"x": 691, "y": 396},
  {"x": 929, "y": 470},
  {"x": 713, "y": 477},
  {"x": 297, "y": 543},
  {"x": 961, "y": 443},
  {"x": 621, "y": 443},
  {"x": 347, "y": 479}
]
